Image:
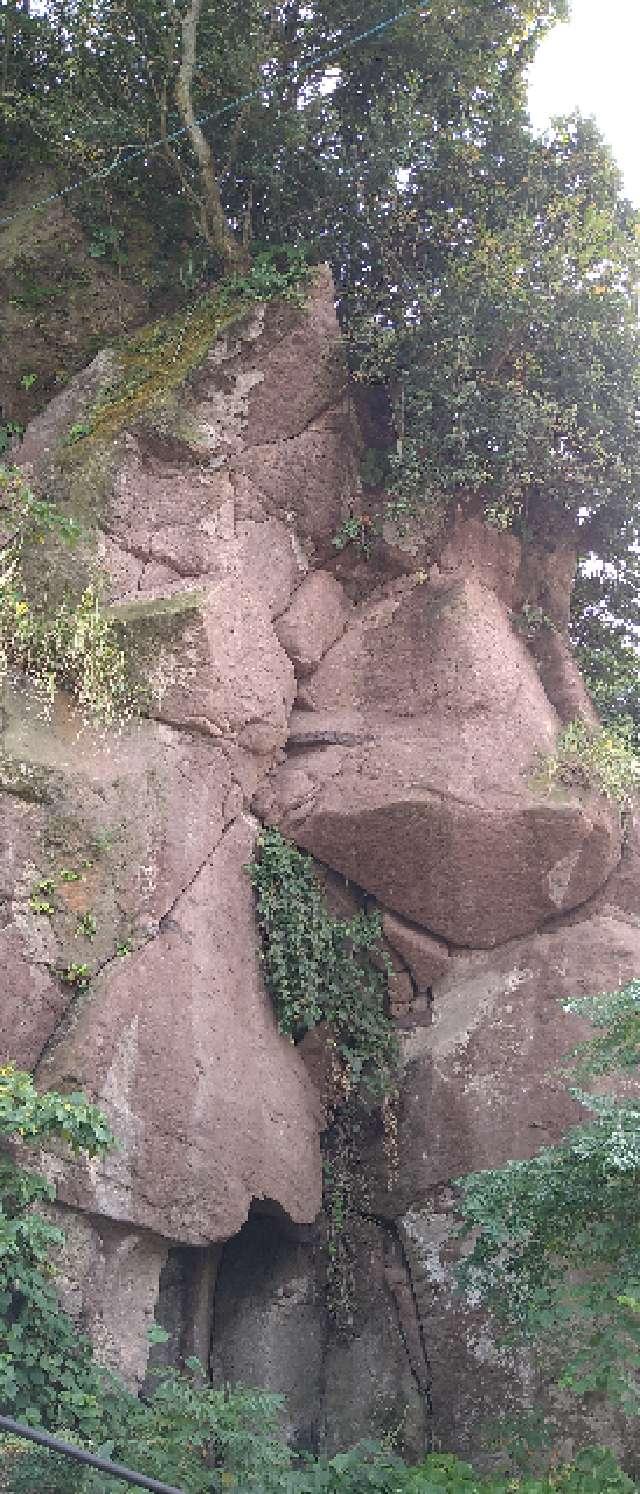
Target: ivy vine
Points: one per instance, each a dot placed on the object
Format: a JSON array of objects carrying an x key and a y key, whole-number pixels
[{"x": 321, "y": 969}]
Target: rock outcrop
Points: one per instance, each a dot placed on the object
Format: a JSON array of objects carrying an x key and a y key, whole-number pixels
[
  {"x": 389, "y": 720},
  {"x": 414, "y": 770}
]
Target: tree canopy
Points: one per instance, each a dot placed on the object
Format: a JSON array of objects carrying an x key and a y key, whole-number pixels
[{"x": 487, "y": 279}]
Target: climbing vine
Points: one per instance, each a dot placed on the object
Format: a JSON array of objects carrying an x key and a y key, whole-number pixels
[{"x": 321, "y": 969}]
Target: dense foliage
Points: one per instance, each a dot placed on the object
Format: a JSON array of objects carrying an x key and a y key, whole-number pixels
[
  {"x": 487, "y": 279},
  {"x": 46, "y": 1371},
  {"x": 323, "y": 969},
  {"x": 330, "y": 973},
  {"x": 202, "y": 1439},
  {"x": 72, "y": 644},
  {"x": 556, "y": 1240},
  {"x": 195, "y": 1421}
]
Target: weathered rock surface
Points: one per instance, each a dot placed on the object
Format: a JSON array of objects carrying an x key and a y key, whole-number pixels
[
  {"x": 426, "y": 958},
  {"x": 433, "y": 790},
  {"x": 482, "y": 1083},
  {"x": 178, "y": 1042},
  {"x": 396, "y": 737},
  {"x": 108, "y": 1279},
  {"x": 215, "y": 665},
  {"x": 270, "y": 1328},
  {"x": 318, "y": 614}
]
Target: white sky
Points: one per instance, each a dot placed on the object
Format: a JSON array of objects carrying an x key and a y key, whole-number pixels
[{"x": 593, "y": 64}]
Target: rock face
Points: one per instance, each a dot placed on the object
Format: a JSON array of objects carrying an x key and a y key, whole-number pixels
[
  {"x": 392, "y": 723},
  {"x": 434, "y": 785},
  {"x": 207, "y": 1121}
]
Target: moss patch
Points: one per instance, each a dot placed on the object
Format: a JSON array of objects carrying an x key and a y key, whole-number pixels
[
  {"x": 152, "y": 364},
  {"x": 28, "y": 781}
]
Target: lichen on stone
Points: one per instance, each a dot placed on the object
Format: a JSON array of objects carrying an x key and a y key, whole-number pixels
[{"x": 151, "y": 364}]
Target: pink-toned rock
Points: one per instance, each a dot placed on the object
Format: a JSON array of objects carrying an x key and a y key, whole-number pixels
[
  {"x": 426, "y": 958},
  {"x": 32, "y": 1002},
  {"x": 426, "y": 799},
  {"x": 108, "y": 1279},
  {"x": 215, "y": 664},
  {"x": 482, "y": 553},
  {"x": 561, "y": 677},
  {"x": 211, "y": 1106},
  {"x": 109, "y": 826},
  {"x": 401, "y": 993},
  {"x": 269, "y": 559},
  {"x": 302, "y": 370},
  {"x": 482, "y": 1083},
  {"x": 317, "y": 616},
  {"x": 307, "y": 479},
  {"x": 482, "y": 1086},
  {"x": 621, "y": 894}
]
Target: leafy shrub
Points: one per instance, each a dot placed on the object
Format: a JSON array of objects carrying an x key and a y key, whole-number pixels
[
  {"x": 171, "y": 1444},
  {"x": 47, "y": 1372},
  {"x": 556, "y": 1240},
  {"x": 589, "y": 758},
  {"x": 75, "y": 646}
]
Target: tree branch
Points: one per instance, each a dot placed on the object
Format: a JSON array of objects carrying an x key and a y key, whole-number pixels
[{"x": 213, "y": 222}]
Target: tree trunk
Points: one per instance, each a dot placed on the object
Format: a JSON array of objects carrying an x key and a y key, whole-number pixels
[{"x": 213, "y": 223}]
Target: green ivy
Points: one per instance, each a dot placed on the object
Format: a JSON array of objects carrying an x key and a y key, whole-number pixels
[
  {"x": 47, "y": 1372},
  {"x": 321, "y": 969}
]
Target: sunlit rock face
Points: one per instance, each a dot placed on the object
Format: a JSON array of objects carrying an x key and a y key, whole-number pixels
[
  {"x": 414, "y": 770},
  {"x": 389, "y": 716}
]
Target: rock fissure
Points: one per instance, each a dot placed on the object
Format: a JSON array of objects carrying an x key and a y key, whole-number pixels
[{"x": 400, "y": 1284}]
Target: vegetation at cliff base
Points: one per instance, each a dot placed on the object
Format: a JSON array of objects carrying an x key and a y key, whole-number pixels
[
  {"x": 202, "y": 1438},
  {"x": 555, "y": 1241},
  {"x": 47, "y": 1372}
]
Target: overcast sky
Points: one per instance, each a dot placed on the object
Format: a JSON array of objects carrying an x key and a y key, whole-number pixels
[{"x": 593, "y": 64}]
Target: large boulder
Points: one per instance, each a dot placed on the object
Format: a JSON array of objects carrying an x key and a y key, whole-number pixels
[
  {"x": 100, "y": 835},
  {"x": 212, "y": 1108},
  {"x": 482, "y": 1083},
  {"x": 414, "y": 771}
]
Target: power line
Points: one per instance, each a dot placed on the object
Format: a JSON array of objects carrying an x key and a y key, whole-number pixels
[{"x": 127, "y": 153}]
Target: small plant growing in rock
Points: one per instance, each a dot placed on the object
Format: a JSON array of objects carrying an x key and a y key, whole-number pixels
[
  {"x": 74, "y": 646},
  {"x": 77, "y": 975},
  {"x": 590, "y": 758},
  {"x": 41, "y": 906},
  {"x": 531, "y": 620},
  {"x": 358, "y": 529},
  {"x": 40, "y": 900},
  {"x": 87, "y": 926}
]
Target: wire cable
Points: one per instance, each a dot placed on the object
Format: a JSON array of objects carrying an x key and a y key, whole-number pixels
[{"x": 128, "y": 153}]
